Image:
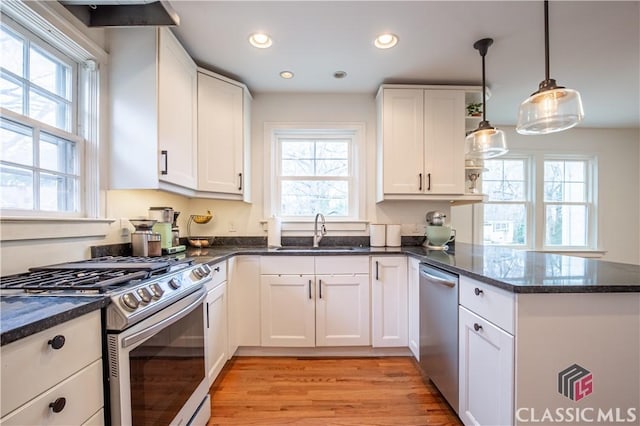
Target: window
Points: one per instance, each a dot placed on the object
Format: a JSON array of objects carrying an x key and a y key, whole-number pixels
[
  {"x": 557, "y": 190},
  {"x": 566, "y": 203},
  {"x": 315, "y": 170},
  {"x": 505, "y": 213},
  {"x": 45, "y": 120},
  {"x": 315, "y": 175}
]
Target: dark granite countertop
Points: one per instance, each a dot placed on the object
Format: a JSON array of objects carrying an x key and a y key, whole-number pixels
[
  {"x": 22, "y": 316},
  {"x": 513, "y": 270}
]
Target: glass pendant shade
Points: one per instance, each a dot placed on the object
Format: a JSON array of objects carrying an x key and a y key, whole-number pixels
[
  {"x": 485, "y": 142},
  {"x": 552, "y": 108},
  {"x": 550, "y": 111}
]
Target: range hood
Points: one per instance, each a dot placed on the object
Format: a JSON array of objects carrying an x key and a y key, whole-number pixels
[{"x": 123, "y": 13}]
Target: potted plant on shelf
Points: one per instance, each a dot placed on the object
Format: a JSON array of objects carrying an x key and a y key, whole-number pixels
[{"x": 474, "y": 109}]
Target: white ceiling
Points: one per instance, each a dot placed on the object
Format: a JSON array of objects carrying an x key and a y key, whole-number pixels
[{"x": 595, "y": 48}]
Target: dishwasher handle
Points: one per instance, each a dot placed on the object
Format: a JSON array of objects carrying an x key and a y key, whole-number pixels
[{"x": 441, "y": 278}]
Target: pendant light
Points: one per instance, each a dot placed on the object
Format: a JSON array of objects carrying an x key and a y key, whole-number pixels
[
  {"x": 486, "y": 141},
  {"x": 552, "y": 108}
]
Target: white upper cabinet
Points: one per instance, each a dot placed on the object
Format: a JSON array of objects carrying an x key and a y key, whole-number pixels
[
  {"x": 421, "y": 131},
  {"x": 153, "y": 111},
  {"x": 223, "y": 136}
]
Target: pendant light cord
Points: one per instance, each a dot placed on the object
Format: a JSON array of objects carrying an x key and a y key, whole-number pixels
[
  {"x": 546, "y": 40},
  {"x": 484, "y": 90}
]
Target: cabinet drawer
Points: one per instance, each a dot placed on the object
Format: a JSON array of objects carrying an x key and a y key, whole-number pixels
[
  {"x": 491, "y": 303},
  {"x": 333, "y": 265},
  {"x": 83, "y": 395},
  {"x": 218, "y": 274},
  {"x": 30, "y": 366},
  {"x": 286, "y": 265}
]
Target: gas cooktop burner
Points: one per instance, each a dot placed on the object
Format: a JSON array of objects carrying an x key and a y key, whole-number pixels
[{"x": 97, "y": 275}]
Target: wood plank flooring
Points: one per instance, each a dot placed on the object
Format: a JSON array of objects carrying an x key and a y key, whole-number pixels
[{"x": 326, "y": 391}]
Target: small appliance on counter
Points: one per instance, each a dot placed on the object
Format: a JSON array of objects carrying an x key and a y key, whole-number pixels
[
  {"x": 438, "y": 234},
  {"x": 164, "y": 217},
  {"x": 143, "y": 236}
]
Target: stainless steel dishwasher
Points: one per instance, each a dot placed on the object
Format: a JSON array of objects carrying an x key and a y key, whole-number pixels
[{"x": 439, "y": 330}]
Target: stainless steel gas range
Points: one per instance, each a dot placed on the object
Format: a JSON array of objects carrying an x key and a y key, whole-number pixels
[{"x": 153, "y": 329}]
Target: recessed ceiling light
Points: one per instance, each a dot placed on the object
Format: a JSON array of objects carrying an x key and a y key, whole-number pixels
[
  {"x": 339, "y": 74},
  {"x": 260, "y": 40},
  {"x": 286, "y": 74},
  {"x": 386, "y": 41}
]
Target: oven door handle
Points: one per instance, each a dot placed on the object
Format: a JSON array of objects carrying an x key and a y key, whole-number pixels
[{"x": 150, "y": 331}]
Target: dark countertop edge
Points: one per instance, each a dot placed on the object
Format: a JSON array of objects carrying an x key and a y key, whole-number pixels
[
  {"x": 407, "y": 251},
  {"x": 42, "y": 324}
]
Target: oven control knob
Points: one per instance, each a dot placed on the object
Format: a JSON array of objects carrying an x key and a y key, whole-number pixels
[
  {"x": 198, "y": 273},
  {"x": 175, "y": 283},
  {"x": 206, "y": 269},
  {"x": 145, "y": 295},
  {"x": 156, "y": 291},
  {"x": 130, "y": 302}
]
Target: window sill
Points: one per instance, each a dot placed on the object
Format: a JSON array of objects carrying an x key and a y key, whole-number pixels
[
  {"x": 18, "y": 228},
  {"x": 591, "y": 254}
]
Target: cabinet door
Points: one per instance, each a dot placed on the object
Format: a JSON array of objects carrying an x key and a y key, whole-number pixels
[
  {"x": 444, "y": 141},
  {"x": 216, "y": 335},
  {"x": 220, "y": 136},
  {"x": 342, "y": 310},
  {"x": 413, "y": 279},
  {"x": 389, "y": 317},
  {"x": 288, "y": 310},
  {"x": 177, "y": 85},
  {"x": 402, "y": 141},
  {"x": 486, "y": 363},
  {"x": 244, "y": 302}
]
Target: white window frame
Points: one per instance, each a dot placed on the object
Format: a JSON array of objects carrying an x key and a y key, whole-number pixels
[
  {"x": 274, "y": 131},
  {"x": 41, "y": 23},
  {"x": 536, "y": 210},
  {"x": 529, "y": 201},
  {"x": 591, "y": 197}
]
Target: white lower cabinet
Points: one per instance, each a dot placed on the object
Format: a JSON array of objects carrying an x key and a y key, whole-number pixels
[
  {"x": 216, "y": 330},
  {"x": 342, "y": 310},
  {"x": 413, "y": 281},
  {"x": 288, "y": 310},
  {"x": 244, "y": 302},
  {"x": 486, "y": 356},
  {"x": 389, "y": 316},
  {"x": 304, "y": 304},
  {"x": 62, "y": 366},
  {"x": 215, "y": 321}
]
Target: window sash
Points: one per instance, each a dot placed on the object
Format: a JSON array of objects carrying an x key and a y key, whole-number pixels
[{"x": 302, "y": 135}]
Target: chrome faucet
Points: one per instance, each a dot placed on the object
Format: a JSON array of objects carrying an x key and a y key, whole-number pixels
[{"x": 317, "y": 237}]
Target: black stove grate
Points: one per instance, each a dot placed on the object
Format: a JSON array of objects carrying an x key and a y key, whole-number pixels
[
  {"x": 82, "y": 279},
  {"x": 98, "y": 274}
]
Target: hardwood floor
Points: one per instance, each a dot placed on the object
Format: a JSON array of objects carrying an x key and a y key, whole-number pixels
[{"x": 326, "y": 391}]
